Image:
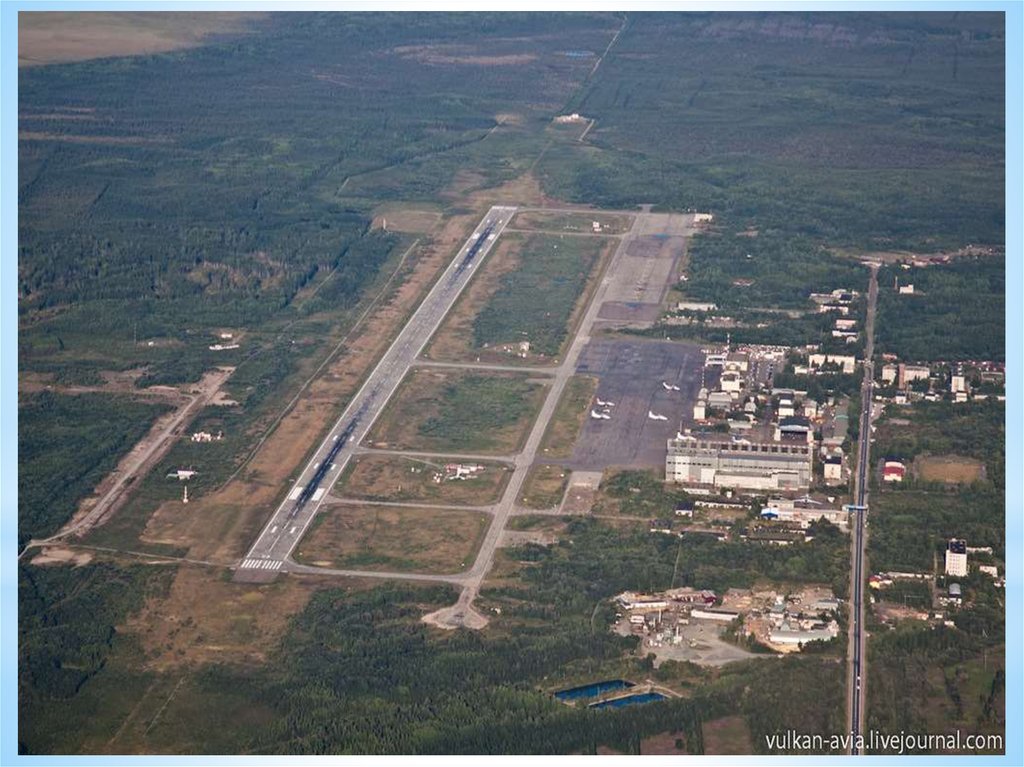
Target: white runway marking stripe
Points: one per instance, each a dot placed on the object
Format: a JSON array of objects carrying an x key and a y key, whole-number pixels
[{"x": 261, "y": 564}]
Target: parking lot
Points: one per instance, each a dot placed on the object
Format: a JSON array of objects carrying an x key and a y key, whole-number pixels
[
  {"x": 645, "y": 271},
  {"x": 631, "y": 374}
]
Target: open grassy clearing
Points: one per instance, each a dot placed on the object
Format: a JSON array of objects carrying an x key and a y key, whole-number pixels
[
  {"x": 411, "y": 479},
  {"x": 413, "y": 218},
  {"x": 393, "y": 538},
  {"x": 609, "y": 223},
  {"x": 452, "y": 342},
  {"x": 460, "y": 412},
  {"x": 952, "y": 469},
  {"x": 540, "y": 523},
  {"x": 523, "y": 304},
  {"x": 569, "y": 417},
  {"x": 636, "y": 493},
  {"x": 544, "y": 487},
  {"x": 52, "y": 37}
]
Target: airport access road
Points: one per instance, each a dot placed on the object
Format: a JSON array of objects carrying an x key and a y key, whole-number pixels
[
  {"x": 270, "y": 552},
  {"x": 857, "y": 678}
]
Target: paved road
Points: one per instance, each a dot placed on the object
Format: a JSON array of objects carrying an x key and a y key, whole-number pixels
[
  {"x": 141, "y": 459},
  {"x": 272, "y": 548},
  {"x": 857, "y": 654}
]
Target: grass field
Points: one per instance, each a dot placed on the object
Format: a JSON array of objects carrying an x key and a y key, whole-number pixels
[
  {"x": 459, "y": 412},
  {"x": 569, "y": 417},
  {"x": 532, "y": 291},
  {"x": 393, "y": 538},
  {"x": 610, "y": 223},
  {"x": 544, "y": 487},
  {"x": 726, "y": 736},
  {"x": 636, "y": 494},
  {"x": 408, "y": 479},
  {"x": 540, "y": 523},
  {"x": 952, "y": 469}
]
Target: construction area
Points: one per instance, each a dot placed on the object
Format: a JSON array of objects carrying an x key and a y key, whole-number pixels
[{"x": 687, "y": 624}]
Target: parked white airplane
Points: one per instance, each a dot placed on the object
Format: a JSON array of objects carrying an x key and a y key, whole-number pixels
[
  {"x": 670, "y": 387},
  {"x": 600, "y": 416},
  {"x": 602, "y": 403},
  {"x": 655, "y": 417}
]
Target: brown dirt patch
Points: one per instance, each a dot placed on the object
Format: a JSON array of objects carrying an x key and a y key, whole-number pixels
[
  {"x": 728, "y": 735},
  {"x": 952, "y": 469},
  {"x": 468, "y": 188},
  {"x": 48, "y": 37},
  {"x": 206, "y": 618},
  {"x": 56, "y": 555},
  {"x": 393, "y": 538},
  {"x": 460, "y": 55},
  {"x": 114, "y": 382},
  {"x": 611, "y": 223}
]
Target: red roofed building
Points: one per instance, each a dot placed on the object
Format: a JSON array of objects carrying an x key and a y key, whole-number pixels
[{"x": 893, "y": 471}]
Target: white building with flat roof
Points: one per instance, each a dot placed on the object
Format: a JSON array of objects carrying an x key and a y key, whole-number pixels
[
  {"x": 739, "y": 463},
  {"x": 956, "y": 558},
  {"x": 803, "y": 512},
  {"x": 845, "y": 362}
]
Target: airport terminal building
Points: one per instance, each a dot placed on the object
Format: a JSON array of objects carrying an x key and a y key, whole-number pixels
[{"x": 742, "y": 464}]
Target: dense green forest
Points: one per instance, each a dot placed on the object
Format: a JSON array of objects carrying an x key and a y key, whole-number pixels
[
  {"x": 67, "y": 635},
  {"x": 783, "y": 271},
  {"x": 873, "y": 130},
  {"x": 334, "y": 685},
  {"x": 923, "y": 678},
  {"x": 66, "y": 445},
  {"x": 165, "y": 195},
  {"x": 937, "y": 680},
  {"x": 916, "y": 518},
  {"x": 913, "y": 521},
  {"x": 957, "y": 311}
]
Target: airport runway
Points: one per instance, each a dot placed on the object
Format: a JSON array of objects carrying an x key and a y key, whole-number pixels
[{"x": 269, "y": 554}]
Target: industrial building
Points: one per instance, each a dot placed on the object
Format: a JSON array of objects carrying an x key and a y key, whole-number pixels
[
  {"x": 803, "y": 511},
  {"x": 788, "y": 634},
  {"x": 710, "y": 459}
]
